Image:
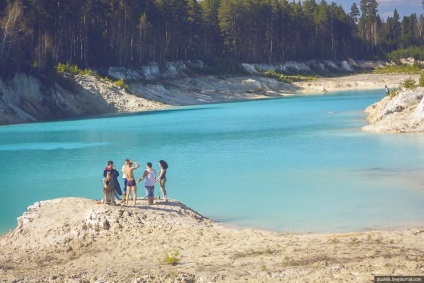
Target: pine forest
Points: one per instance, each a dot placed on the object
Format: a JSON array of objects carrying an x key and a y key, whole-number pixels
[{"x": 36, "y": 35}]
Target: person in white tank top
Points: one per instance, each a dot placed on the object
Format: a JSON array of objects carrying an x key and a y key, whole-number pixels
[{"x": 149, "y": 178}]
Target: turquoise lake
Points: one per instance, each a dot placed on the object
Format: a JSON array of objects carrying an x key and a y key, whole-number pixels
[{"x": 292, "y": 164}]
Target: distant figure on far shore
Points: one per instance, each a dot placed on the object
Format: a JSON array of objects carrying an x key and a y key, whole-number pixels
[
  {"x": 150, "y": 179},
  {"x": 131, "y": 185},
  {"x": 387, "y": 90},
  {"x": 162, "y": 178}
]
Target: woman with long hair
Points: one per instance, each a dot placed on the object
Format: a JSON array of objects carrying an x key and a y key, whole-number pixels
[{"x": 162, "y": 178}]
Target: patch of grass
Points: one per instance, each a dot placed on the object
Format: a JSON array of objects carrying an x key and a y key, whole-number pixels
[
  {"x": 264, "y": 268},
  {"x": 355, "y": 240},
  {"x": 421, "y": 80},
  {"x": 334, "y": 241},
  {"x": 287, "y": 79},
  {"x": 75, "y": 70},
  {"x": 305, "y": 261},
  {"x": 399, "y": 69},
  {"x": 394, "y": 92},
  {"x": 172, "y": 259},
  {"x": 409, "y": 83},
  {"x": 267, "y": 251},
  {"x": 121, "y": 83}
]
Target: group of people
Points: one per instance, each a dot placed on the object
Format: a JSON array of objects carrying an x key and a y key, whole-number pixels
[{"x": 130, "y": 184}]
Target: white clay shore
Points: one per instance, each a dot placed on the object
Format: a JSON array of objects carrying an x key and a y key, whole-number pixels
[
  {"x": 23, "y": 101},
  {"x": 354, "y": 82},
  {"x": 76, "y": 240}
]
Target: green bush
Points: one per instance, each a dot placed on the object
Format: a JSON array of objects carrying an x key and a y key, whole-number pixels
[
  {"x": 62, "y": 68},
  {"x": 172, "y": 259},
  {"x": 394, "y": 92},
  {"x": 75, "y": 70},
  {"x": 121, "y": 83},
  {"x": 421, "y": 80},
  {"x": 87, "y": 72},
  {"x": 72, "y": 69},
  {"x": 278, "y": 76},
  {"x": 409, "y": 83},
  {"x": 287, "y": 79},
  {"x": 399, "y": 69},
  {"x": 412, "y": 52}
]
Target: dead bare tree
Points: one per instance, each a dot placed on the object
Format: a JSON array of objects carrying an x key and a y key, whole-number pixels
[{"x": 12, "y": 31}]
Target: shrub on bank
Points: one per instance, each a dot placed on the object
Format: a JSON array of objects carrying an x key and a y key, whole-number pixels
[
  {"x": 412, "y": 52},
  {"x": 394, "y": 92},
  {"x": 287, "y": 79},
  {"x": 409, "y": 83},
  {"x": 399, "y": 69},
  {"x": 75, "y": 70},
  {"x": 172, "y": 259},
  {"x": 421, "y": 80},
  {"x": 121, "y": 83}
]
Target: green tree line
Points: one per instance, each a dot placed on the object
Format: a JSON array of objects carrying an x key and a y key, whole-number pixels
[{"x": 36, "y": 35}]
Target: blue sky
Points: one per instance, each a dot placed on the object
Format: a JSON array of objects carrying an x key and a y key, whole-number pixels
[{"x": 386, "y": 7}]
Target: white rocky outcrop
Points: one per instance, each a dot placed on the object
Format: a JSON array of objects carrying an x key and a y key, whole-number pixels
[
  {"x": 154, "y": 71},
  {"x": 180, "y": 69},
  {"x": 22, "y": 89},
  {"x": 211, "y": 89},
  {"x": 411, "y": 61},
  {"x": 24, "y": 98},
  {"x": 403, "y": 113}
]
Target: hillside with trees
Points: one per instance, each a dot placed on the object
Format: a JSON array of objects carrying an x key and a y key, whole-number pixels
[{"x": 36, "y": 35}]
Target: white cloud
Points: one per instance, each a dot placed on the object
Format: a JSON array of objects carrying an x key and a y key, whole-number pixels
[{"x": 402, "y": 2}]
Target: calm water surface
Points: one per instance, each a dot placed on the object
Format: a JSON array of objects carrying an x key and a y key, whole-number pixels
[{"x": 294, "y": 164}]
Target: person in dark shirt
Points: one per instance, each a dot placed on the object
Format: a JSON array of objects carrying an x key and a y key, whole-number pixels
[{"x": 111, "y": 168}]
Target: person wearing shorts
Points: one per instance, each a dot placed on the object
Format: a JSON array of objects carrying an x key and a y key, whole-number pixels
[
  {"x": 124, "y": 178},
  {"x": 149, "y": 178},
  {"x": 131, "y": 185}
]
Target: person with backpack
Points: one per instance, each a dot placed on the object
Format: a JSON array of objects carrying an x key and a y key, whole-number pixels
[
  {"x": 162, "y": 178},
  {"x": 111, "y": 168}
]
